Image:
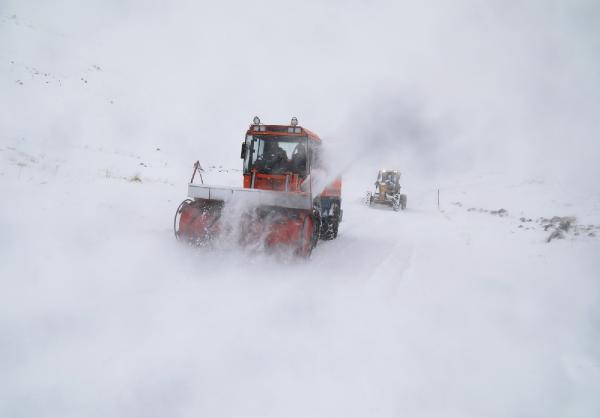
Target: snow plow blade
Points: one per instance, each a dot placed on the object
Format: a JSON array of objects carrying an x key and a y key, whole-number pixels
[{"x": 269, "y": 218}]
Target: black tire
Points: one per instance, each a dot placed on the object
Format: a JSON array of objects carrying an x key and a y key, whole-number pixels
[
  {"x": 329, "y": 228},
  {"x": 403, "y": 200},
  {"x": 316, "y": 218},
  {"x": 396, "y": 203}
]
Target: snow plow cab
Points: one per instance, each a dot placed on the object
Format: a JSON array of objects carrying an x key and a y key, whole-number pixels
[
  {"x": 387, "y": 191},
  {"x": 280, "y": 203}
]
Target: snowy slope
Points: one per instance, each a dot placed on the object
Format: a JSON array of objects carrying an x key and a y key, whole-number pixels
[{"x": 465, "y": 310}]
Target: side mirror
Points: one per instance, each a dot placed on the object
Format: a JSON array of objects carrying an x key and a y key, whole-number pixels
[{"x": 243, "y": 154}]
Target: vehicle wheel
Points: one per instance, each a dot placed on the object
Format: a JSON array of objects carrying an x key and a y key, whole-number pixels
[
  {"x": 329, "y": 228},
  {"x": 403, "y": 201},
  {"x": 316, "y": 221},
  {"x": 396, "y": 203}
]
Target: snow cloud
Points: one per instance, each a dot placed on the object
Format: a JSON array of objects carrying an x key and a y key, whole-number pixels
[{"x": 513, "y": 83}]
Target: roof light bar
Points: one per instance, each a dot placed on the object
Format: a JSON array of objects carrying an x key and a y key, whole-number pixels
[
  {"x": 256, "y": 120},
  {"x": 294, "y": 121}
]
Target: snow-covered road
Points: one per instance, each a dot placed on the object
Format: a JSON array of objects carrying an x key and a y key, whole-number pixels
[{"x": 418, "y": 313}]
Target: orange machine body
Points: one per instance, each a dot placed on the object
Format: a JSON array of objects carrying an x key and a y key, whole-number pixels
[{"x": 276, "y": 158}]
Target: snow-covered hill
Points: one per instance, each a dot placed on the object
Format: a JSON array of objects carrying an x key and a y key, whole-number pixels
[{"x": 487, "y": 305}]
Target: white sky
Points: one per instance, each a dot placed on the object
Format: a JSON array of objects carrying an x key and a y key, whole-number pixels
[{"x": 497, "y": 85}]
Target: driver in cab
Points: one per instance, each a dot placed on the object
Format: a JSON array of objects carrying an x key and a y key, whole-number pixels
[{"x": 274, "y": 158}]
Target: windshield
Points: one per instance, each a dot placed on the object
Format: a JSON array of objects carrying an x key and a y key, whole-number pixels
[
  {"x": 276, "y": 154},
  {"x": 389, "y": 176}
]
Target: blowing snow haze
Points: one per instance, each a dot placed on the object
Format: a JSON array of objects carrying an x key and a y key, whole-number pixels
[
  {"x": 463, "y": 311},
  {"x": 512, "y": 84}
]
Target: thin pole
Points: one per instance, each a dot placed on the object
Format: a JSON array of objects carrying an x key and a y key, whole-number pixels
[
  {"x": 196, "y": 164},
  {"x": 438, "y": 199}
]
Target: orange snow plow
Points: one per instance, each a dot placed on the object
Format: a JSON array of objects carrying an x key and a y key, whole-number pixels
[{"x": 279, "y": 204}]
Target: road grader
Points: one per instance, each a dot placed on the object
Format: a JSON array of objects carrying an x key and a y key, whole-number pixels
[{"x": 387, "y": 191}]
